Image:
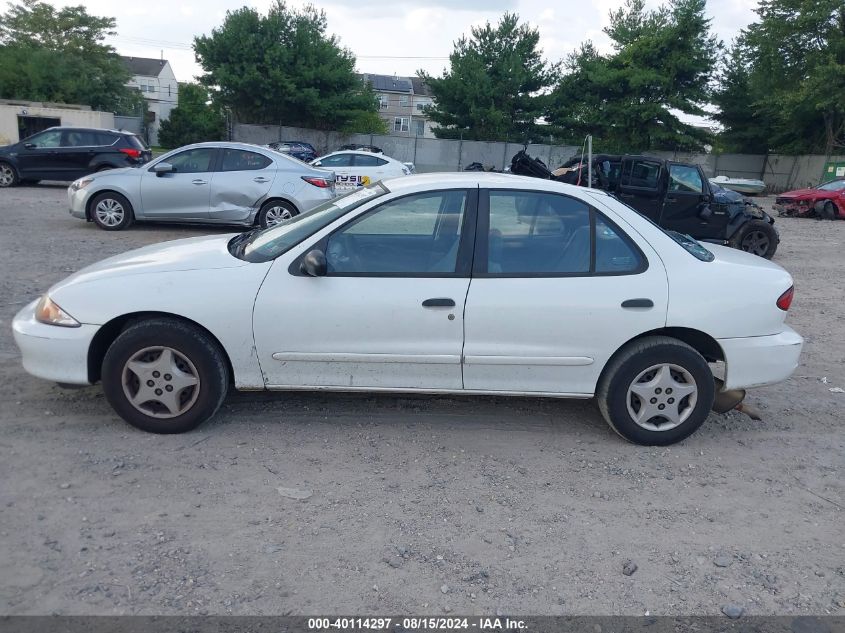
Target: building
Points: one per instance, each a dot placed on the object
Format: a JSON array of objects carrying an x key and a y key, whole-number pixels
[
  {"x": 20, "y": 119},
  {"x": 402, "y": 102},
  {"x": 156, "y": 81}
]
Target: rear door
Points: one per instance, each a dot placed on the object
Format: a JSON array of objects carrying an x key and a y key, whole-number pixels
[
  {"x": 242, "y": 180},
  {"x": 370, "y": 168},
  {"x": 557, "y": 287},
  {"x": 183, "y": 194},
  {"x": 686, "y": 196},
  {"x": 77, "y": 151},
  {"x": 640, "y": 186}
]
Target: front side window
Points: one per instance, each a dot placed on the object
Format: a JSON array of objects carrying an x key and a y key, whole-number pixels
[
  {"x": 193, "y": 161},
  {"x": 836, "y": 185},
  {"x": 338, "y": 160},
  {"x": 51, "y": 138},
  {"x": 415, "y": 235},
  {"x": 685, "y": 179},
  {"x": 240, "y": 160}
]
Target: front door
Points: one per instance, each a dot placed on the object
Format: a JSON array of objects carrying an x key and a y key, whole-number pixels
[
  {"x": 243, "y": 179},
  {"x": 557, "y": 287},
  {"x": 341, "y": 164},
  {"x": 182, "y": 194},
  {"x": 38, "y": 156},
  {"x": 685, "y": 198},
  {"x": 389, "y": 312}
]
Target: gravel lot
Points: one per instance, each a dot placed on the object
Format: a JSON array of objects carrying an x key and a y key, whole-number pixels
[{"x": 418, "y": 505}]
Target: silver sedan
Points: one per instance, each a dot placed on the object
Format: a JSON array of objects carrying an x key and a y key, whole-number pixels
[{"x": 212, "y": 183}]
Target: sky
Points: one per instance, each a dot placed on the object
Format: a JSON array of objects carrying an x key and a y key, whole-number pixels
[{"x": 387, "y": 37}]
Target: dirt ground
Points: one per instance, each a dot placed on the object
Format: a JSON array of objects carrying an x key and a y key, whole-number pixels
[{"x": 418, "y": 505}]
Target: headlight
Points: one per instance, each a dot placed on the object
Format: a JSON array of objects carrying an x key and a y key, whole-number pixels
[
  {"x": 76, "y": 185},
  {"x": 48, "y": 312}
]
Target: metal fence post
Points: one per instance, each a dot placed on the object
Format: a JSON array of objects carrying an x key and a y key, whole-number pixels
[{"x": 460, "y": 150}]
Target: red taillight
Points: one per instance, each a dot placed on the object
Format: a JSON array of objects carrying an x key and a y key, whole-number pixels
[
  {"x": 322, "y": 183},
  {"x": 785, "y": 300},
  {"x": 131, "y": 153}
]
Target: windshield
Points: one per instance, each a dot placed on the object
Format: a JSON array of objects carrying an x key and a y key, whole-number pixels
[
  {"x": 261, "y": 245},
  {"x": 834, "y": 185}
]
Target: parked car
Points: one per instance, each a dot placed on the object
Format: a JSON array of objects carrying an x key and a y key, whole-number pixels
[
  {"x": 464, "y": 283},
  {"x": 826, "y": 201},
  {"x": 298, "y": 149},
  {"x": 362, "y": 148},
  {"x": 209, "y": 183},
  {"x": 67, "y": 153},
  {"x": 677, "y": 196},
  {"x": 359, "y": 168}
]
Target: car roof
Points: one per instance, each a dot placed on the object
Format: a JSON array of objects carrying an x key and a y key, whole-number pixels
[
  {"x": 455, "y": 180},
  {"x": 361, "y": 152},
  {"x": 80, "y": 128}
]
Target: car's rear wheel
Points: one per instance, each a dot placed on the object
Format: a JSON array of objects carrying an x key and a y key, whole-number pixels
[
  {"x": 8, "y": 175},
  {"x": 104, "y": 168},
  {"x": 165, "y": 376},
  {"x": 656, "y": 391},
  {"x": 112, "y": 211},
  {"x": 274, "y": 212},
  {"x": 757, "y": 237}
]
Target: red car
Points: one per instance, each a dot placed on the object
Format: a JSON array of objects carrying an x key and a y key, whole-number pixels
[{"x": 825, "y": 201}]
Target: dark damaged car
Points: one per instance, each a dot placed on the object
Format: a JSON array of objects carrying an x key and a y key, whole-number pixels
[
  {"x": 677, "y": 196},
  {"x": 826, "y": 201}
]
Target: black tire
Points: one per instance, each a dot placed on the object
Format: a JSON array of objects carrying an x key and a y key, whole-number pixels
[
  {"x": 626, "y": 367},
  {"x": 275, "y": 208},
  {"x": 829, "y": 211},
  {"x": 8, "y": 175},
  {"x": 104, "y": 168},
  {"x": 109, "y": 199},
  {"x": 757, "y": 237},
  {"x": 205, "y": 359}
]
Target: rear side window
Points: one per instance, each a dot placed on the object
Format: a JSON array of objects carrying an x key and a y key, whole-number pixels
[
  {"x": 79, "y": 138},
  {"x": 614, "y": 251},
  {"x": 369, "y": 161},
  {"x": 241, "y": 160},
  {"x": 104, "y": 138},
  {"x": 135, "y": 142}
]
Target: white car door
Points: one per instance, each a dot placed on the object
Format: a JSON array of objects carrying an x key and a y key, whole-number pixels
[
  {"x": 557, "y": 288},
  {"x": 243, "y": 179},
  {"x": 388, "y": 313},
  {"x": 182, "y": 194}
]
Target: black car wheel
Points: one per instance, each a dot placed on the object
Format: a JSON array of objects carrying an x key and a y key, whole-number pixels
[
  {"x": 656, "y": 391},
  {"x": 757, "y": 237},
  {"x": 111, "y": 211},
  {"x": 165, "y": 376},
  {"x": 829, "y": 211},
  {"x": 8, "y": 175}
]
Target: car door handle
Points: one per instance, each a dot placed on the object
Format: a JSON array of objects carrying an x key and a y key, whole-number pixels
[
  {"x": 261, "y": 179},
  {"x": 671, "y": 199},
  {"x": 199, "y": 182},
  {"x": 439, "y": 303},
  {"x": 626, "y": 195},
  {"x": 638, "y": 303}
]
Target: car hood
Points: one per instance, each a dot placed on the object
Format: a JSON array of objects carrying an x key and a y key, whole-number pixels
[
  {"x": 114, "y": 172},
  {"x": 194, "y": 253},
  {"x": 800, "y": 193}
]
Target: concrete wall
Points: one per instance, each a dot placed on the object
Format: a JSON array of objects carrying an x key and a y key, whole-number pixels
[
  {"x": 68, "y": 115},
  {"x": 780, "y": 173},
  {"x": 128, "y": 123}
]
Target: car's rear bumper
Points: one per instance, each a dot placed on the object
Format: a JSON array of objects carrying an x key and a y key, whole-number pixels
[
  {"x": 755, "y": 361},
  {"x": 52, "y": 352}
]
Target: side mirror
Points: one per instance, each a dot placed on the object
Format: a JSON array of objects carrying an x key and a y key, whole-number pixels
[
  {"x": 30, "y": 145},
  {"x": 318, "y": 164},
  {"x": 163, "y": 168},
  {"x": 314, "y": 264}
]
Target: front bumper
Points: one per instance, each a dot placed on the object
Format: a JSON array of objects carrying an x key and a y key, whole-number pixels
[
  {"x": 77, "y": 201},
  {"x": 755, "y": 361},
  {"x": 52, "y": 352}
]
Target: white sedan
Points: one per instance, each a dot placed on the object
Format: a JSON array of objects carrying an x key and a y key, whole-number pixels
[
  {"x": 360, "y": 168},
  {"x": 448, "y": 283}
]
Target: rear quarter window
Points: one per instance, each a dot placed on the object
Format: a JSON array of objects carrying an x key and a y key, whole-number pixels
[{"x": 135, "y": 142}]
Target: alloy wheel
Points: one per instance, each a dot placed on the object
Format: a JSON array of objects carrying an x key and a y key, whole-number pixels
[
  {"x": 756, "y": 242},
  {"x": 109, "y": 212},
  {"x": 662, "y": 397},
  {"x": 276, "y": 215},
  {"x": 160, "y": 382},
  {"x": 7, "y": 176}
]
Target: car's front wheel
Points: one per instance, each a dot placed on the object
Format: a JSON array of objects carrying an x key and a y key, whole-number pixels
[
  {"x": 274, "y": 212},
  {"x": 757, "y": 237},
  {"x": 829, "y": 211},
  {"x": 656, "y": 391},
  {"x": 165, "y": 376},
  {"x": 8, "y": 175},
  {"x": 112, "y": 211}
]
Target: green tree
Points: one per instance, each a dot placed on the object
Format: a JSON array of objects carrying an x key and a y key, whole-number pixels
[
  {"x": 629, "y": 100},
  {"x": 282, "y": 68},
  {"x": 49, "y": 54},
  {"x": 793, "y": 75},
  {"x": 494, "y": 88},
  {"x": 194, "y": 120}
]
